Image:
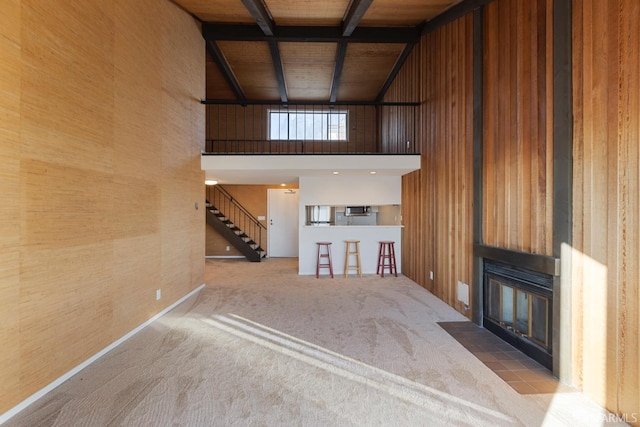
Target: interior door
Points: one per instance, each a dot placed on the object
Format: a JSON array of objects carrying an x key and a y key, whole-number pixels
[{"x": 282, "y": 225}]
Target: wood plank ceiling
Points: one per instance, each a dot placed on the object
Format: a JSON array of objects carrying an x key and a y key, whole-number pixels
[{"x": 308, "y": 50}]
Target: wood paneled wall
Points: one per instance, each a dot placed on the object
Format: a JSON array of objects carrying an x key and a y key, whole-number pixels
[
  {"x": 518, "y": 125},
  {"x": 400, "y": 126},
  {"x": 10, "y": 41},
  {"x": 437, "y": 200},
  {"x": 602, "y": 264},
  {"x": 246, "y": 129},
  {"x": 100, "y": 175},
  {"x": 605, "y": 257}
]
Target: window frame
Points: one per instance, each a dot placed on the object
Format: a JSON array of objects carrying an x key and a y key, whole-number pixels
[{"x": 325, "y": 112}]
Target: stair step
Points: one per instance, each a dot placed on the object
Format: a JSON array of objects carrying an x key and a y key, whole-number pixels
[{"x": 246, "y": 239}]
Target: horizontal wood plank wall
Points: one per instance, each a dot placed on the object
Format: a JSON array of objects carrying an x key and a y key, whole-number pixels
[
  {"x": 518, "y": 126},
  {"x": 605, "y": 255},
  {"x": 100, "y": 175},
  {"x": 437, "y": 200}
]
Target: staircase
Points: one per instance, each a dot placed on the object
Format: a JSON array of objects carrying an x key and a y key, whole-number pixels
[{"x": 235, "y": 223}]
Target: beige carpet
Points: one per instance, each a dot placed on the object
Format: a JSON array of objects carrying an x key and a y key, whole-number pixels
[{"x": 261, "y": 346}]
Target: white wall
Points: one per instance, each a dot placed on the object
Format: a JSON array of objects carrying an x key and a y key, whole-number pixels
[{"x": 350, "y": 190}]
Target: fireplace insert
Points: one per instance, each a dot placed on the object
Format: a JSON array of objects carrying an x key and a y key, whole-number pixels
[{"x": 518, "y": 307}]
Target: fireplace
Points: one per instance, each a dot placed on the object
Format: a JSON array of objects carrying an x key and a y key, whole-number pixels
[{"x": 518, "y": 307}]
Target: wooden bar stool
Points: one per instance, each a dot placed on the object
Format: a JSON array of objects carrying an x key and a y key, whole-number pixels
[
  {"x": 321, "y": 255},
  {"x": 347, "y": 257},
  {"x": 387, "y": 258}
]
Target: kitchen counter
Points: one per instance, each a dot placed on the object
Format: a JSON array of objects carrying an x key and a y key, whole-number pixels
[{"x": 369, "y": 236}]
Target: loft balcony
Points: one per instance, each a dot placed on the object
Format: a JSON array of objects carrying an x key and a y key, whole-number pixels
[
  {"x": 310, "y": 129},
  {"x": 266, "y": 143}
]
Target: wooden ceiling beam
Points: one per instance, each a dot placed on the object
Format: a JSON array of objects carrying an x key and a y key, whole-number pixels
[
  {"x": 279, "y": 69},
  {"x": 354, "y": 15},
  {"x": 352, "y": 18},
  {"x": 231, "y": 32},
  {"x": 327, "y": 103},
  {"x": 341, "y": 52},
  {"x": 225, "y": 69},
  {"x": 394, "y": 72},
  {"x": 261, "y": 15}
]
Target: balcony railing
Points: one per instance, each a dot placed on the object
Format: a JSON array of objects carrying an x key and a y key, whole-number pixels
[{"x": 304, "y": 128}]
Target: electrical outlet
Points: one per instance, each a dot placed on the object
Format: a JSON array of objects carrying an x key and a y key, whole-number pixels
[
  {"x": 228, "y": 248},
  {"x": 431, "y": 275},
  {"x": 158, "y": 294}
]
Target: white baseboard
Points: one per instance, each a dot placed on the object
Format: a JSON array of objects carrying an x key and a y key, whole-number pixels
[{"x": 42, "y": 392}]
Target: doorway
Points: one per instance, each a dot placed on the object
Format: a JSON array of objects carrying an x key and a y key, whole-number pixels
[{"x": 282, "y": 226}]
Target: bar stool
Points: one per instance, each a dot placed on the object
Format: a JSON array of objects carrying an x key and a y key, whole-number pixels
[
  {"x": 347, "y": 255},
  {"x": 387, "y": 258},
  {"x": 326, "y": 254}
]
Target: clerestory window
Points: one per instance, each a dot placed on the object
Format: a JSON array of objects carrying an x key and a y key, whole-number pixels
[{"x": 308, "y": 125}]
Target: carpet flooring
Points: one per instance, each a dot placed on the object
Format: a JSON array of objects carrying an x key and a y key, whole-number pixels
[{"x": 262, "y": 346}]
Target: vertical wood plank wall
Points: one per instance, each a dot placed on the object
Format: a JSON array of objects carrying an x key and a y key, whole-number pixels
[
  {"x": 246, "y": 129},
  {"x": 437, "y": 200},
  {"x": 517, "y": 177},
  {"x": 518, "y": 125},
  {"x": 99, "y": 144},
  {"x": 401, "y": 125},
  {"x": 605, "y": 256}
]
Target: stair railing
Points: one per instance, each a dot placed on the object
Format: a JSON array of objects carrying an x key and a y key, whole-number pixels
[{"x": 227, "y": 205}]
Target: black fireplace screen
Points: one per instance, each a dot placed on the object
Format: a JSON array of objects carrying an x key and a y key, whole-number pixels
[
  {"x": 518, "y": 308},
  {"x": 519, "y": 311}
]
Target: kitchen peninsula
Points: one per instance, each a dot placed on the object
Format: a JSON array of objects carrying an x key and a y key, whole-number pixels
[
  {"x": 375, "y": 215},
  {"x": 369, "y": 236}
]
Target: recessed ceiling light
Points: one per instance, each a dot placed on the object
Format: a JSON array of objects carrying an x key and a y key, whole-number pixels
[
  {"x": 210, "y": 182},
  {"x": 336, "y": 172},
  {"x": 373, "y": 172}
]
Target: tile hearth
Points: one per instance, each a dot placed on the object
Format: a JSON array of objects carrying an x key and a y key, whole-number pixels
[{"x": 522, "y": 373}]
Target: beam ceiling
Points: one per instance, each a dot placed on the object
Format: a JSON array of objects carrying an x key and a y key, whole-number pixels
[
  {"x": 232, "y": 32},
  {"x": 261, "y": 15},
  {"x": 225, "y": 69},
  {"x": 337, "y": 72},
  {"x": 277, "y": 65},
  {"x": 354, "y": 16},
  {"x": 359, "y": 73}
]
